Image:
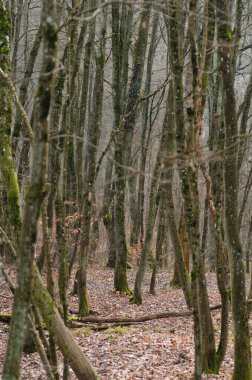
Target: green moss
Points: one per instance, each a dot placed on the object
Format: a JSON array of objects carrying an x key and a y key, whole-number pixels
[
  {"x": 229, "y": 35},
  {"x": 74, "y": 319},
  {"x": 211, "y": 363},
  {"x": 209, "y": 371},
  {"x": 121, "y": 283},
  {"x": 42, "y": 299},
  {"x": 6, "y": 159},
  {"x": 174, "y": 283},
  {"x": 136, "y": 300},
  {"x": 83, "y": 331},
  {"x": 114, "y": 332},
  {"x": 226, "y": 32},
  {"x": 120, "y": 330},
  {"x": 110, "y": 337},
  {"x": 205, "y": 83},
  {"x": 160, "y": 330},
  {"x": 84, "y": 305}
]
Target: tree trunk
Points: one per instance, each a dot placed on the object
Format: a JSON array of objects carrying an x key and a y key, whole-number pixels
[
  {"x": 6, "y": 161},
  {"x": 153, "y": 206},
  {"x": 242, "y": 354},
  {"x": 186, "y": 251},
  {"x": 137, "y": 212},
  {"x": 90, "y": 169},
  {"x": 34, "y": 196}
]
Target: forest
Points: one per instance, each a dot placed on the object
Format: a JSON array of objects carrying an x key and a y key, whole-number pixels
[{"x": 125, "y": 189}]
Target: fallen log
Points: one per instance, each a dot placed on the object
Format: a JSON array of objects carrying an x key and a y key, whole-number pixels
[
  {"x": 144, "y": 318},
  {"x": 122, "y": 320},
  {"x": 76, "y": 322},
  {"x": 99, "y": 327}
]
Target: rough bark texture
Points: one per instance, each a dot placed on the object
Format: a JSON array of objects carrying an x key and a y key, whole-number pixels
[
  {"x": 90, "y": 169},
  {"x": 242, "y": 358},
  {"x": 120, "y": 68},
  {"x": 34, "y": 198},
  {"x": 6, "y": 160}
]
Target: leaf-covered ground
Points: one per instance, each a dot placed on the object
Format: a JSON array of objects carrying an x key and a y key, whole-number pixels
[{"x": 160, "y": 349}]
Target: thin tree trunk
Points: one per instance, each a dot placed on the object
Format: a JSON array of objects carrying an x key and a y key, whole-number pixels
[
  {"x": 16, "y": 29},
  {"x": 90, "y": 169},
  {"x": 242, "y": 354},
  {"x": 186, "y": 250},
  {"x": 138, "y": 212},
  {"x": 25, "y": 84},
  {"x": 169, "y": 203},
  {"x": 121, "y": 39},
  {"x": 82, "y": 120},
  {"x": 152, "y": 211},
  {"x": 160, "y": 243},
  {"x": 6, "y": 162},
  {"x": 119, "y": 68}
]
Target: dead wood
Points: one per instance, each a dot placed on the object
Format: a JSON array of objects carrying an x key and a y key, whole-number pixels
[{"x": 143, "y": 318}]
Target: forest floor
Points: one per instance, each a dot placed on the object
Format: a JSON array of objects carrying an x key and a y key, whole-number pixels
[{"x": 160, "y": 349}]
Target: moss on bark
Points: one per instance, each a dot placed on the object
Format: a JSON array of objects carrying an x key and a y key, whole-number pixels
[{"x": 6, "y": 159}]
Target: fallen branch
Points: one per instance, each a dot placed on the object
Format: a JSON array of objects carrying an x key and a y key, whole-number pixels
[
  {"x": 143, "y": 318},
  {"x": 124, "y": 321},
  {"x": 77, "y": 322},
  {"x": 78, "y": 325}
]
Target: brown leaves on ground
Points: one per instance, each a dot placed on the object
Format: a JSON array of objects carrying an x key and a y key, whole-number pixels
[{"x": 155, "y": 350}]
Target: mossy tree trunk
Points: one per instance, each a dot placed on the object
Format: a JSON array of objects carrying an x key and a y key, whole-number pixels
[
  {"x": 124, "y": 139},
  {"x": 151, "y": 218},
  {"x": 120, "y": 62},
  {"x": 205, "y": 358},
  {"x": 167, "y": 189},
  {"x": 82, "y": 123},
  {"x": 175, "y": 40},
  {"x": 107, "y": 212},
  {"x": 208, "y": 352},
  {"x": 70, "y": 350},
  {"x": 55, "y": 147},
  {"x": 121, "y": 40},
  {"x": 185, "y": 247},
  {"x": 6, "y": 160},
  {"x": 161, "y": 248},
  {"x": 242, "y": 353},
  {"x": 216, "y": 202},
  {"x": 41, "y": 297},
  {"x": 190, "y": 145},
  {"x": 93, "y": 137},
  {"x": 137, "y": 212},
  {"x": 34, "y": 196}
]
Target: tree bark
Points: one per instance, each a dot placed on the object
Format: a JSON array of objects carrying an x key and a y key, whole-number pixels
[
  {"x": 34, "y": 197},
  {"x": 242, "y": 354}
]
